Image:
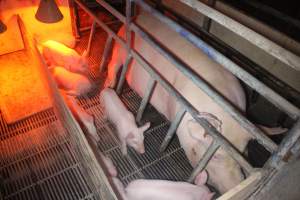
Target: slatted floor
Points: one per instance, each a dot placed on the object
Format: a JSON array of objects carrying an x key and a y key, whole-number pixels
[{"x": 37, "y": 160}]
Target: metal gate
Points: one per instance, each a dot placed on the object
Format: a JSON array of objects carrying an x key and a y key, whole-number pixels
[{"x": 279, "y": 153}]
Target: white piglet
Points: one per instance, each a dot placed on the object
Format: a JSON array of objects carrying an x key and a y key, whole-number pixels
[
  {"x": 169, "y": 190},
  {"x": 74, "y": 84},
  {"x": 118, "y": 114},
  {"x": 56, "y": 53}
]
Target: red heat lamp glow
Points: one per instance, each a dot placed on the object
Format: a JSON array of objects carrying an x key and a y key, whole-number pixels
[{"x": 48, "y": 12}]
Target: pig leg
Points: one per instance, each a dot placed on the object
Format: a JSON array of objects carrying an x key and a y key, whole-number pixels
[
  {"x": 92, "y": 128},
  {"x": 117, "y": 59}
]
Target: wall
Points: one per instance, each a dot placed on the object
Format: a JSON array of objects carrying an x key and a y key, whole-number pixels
[
  {"x": 60, "y": 31},
  {"x": 276, "y": 67}
]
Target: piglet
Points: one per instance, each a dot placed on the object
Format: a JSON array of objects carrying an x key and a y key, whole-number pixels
[
  {"x": 84, "y": 119},
  {"x": 109, "y": 165},
  {"x": 74, "y": 84},
  {"x": 56, "y": 53},
  {"x": 168, "y": 190},
  {"x": 118, "y": 114}
]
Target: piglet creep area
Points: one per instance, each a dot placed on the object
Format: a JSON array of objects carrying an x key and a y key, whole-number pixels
[{"x": 169, "y": 165}]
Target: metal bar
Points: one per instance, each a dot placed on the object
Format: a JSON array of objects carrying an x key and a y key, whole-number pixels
[
  {"x": 204, "y": 160},
  {"x": 92, "y": 33},
  {"x": 107, "y": 48},
  {"x": 74, "y": 18},
  {"x": 112, "y": 10},
  {"x": 172, "y": 129},
  {"x": 270, "y": 80},
  {"x": 207, "y": 20},
  {"x": 285, "y": 146},
  {"x": 188, "y": 107},
  {"x": 101, "y": 24},
  {"x": 149, "y": 90},
  {"x": 265, "y": 91},
  {"x": 258, "y": 40},
  {"x": 123, "y": 73},
  {"x": 128, "y": 46},
  {"x": 218, "y": 98}
]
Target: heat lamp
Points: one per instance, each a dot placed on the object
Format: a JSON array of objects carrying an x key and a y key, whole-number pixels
[
  {"x": 48, "y": 12},
  {"x": 2, "y": 27}
]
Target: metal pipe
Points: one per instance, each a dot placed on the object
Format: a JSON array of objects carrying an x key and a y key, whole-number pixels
[
  {"x": 265, "y": 91},
  {"x": 258, "y": 40},
  {"x": 218, "y": 98},
  {"x": 171, "y": 132},
  {"x": 285, "y": 146},
  {"x": 107, "y": 48},
  {"x": 128, "y": 46},
  {"x": 88, "y": 50},
  {"x": 112, "y": 10},
  {"x": 204, "y": 160},
  {"x": 189, "y": 107},
  {"x": 149, "y": 90},
  {"x": 123, "y": 73},
  {"x": 101, "y": 24},
  {"x": 207, "y": 20}
]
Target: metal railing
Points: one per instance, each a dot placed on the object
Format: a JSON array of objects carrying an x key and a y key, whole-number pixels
[{"x": 219, "y": 140}]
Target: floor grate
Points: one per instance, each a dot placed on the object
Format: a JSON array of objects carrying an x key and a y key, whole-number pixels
[{"x": 37, "y": 160}]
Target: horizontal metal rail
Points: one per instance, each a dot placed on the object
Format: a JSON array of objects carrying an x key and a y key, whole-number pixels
[
  {"x": 247, "y": 78},
  {"x": 258, "y": 40}
]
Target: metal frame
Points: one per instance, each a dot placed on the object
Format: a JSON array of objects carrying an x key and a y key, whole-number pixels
[{"x": 279, "y": 153}]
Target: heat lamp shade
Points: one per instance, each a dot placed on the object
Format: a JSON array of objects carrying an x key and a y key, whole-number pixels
[
  {"x": 48, "y": 12},
  {"x": 2, "y": 27}
]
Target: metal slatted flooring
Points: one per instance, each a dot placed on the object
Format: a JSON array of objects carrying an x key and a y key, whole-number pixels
[{"x": 37, "y": 161}]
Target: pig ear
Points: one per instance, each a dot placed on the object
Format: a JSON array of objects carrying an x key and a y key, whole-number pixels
[
  {"x": 195, "y": 130},
  {"x": 201, "y": 178},
  {"x": 145, "y": 127}
]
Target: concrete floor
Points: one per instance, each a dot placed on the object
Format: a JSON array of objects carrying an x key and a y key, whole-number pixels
[{"x": 286, "y": 185}]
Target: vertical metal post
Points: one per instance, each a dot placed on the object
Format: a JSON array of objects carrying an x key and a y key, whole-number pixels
[
  {"x": 93, "y": 28},
  {"x": 74, "y": 18},
  {"x": 207, "y": 20},
  {"x": 107, "y": 49},
  {"x": 128, "y": 45},
  {"x": 149, "y": 90},
  {"x": 204, "y": 160},
  {"x": 172, "y": 129},
  {"x": 285, "y": 146}
]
